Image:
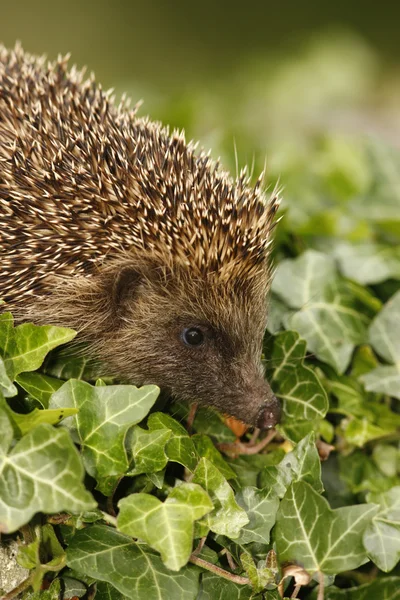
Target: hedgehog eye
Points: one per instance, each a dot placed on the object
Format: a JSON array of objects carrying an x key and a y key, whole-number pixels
[{"x": 193, "y": 336}]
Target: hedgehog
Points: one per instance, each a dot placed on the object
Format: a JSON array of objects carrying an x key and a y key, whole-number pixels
[{"x": 114, "y": 226}]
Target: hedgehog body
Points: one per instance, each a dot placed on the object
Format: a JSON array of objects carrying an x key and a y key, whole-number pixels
[{"x": 114, "y": 226}]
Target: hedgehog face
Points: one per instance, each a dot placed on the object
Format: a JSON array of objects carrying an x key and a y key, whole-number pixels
[{"x": 199, "y": 341}]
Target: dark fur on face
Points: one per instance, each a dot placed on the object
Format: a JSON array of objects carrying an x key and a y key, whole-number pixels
[{"x": 138, "y": 313}]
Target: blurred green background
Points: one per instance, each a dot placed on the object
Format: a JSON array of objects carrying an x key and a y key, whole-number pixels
[{"x": 293, "y": 85}]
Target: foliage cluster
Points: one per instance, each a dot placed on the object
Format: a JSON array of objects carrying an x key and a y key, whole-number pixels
[{"x": 109, "y": 496}]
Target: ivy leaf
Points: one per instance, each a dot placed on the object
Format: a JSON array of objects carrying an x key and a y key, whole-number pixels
[
  {"x": 166, "y": 526},
  {"x": 180, "y": 447},
  {"x": 360, "y": 431},
  {"x": 27, "y": 422},
  {"x": 73, "y": 588},
  {"x": 132, "y": 568},
  {"x": 213, "y": 587},
  {"x": 387, "y": 588},
  {"x": 53, "y": 593},
  {"x": 384, "y": 334},
  {"x": 387, "y": 458},
  {"x": 65, "y": 364},
  {"x": 247, "y": 467},
  {"x": 302, "y": 280},
  {"x": 42, "y": 473},
  {"x": 260, "y": 576},
  {"x": 303, "y": 398},
  {"x": 382, "y": 536},
  {"x": 301, "y": 464},
  {"x": 7, "y": 388},
  {"x": 384, "y": 379},
  {"x": 148, "y": 450},
  {"x": 39, "y": 386},
  {"x": 277, "y": 312},
  {"x": 327, "y": 314},
  {"x": 105, "y": 415},
  {"x": 385, "y": 331},
  {"x": 106, "y": 591},
  {"x": 228, "y": 517},
  {"x": 261, "y": 507},
  {"x": 322, "y": 540},
  {"x": 368, "y": 263},
  {"x": 24, "y": 347},
  {"x": 361, "y": 474},
  {"x": 206, "y": 449}
]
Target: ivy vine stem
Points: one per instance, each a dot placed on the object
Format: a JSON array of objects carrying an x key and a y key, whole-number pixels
[
  {"x": 109, "y": 519},
  {"x": 218, "y": 571}
]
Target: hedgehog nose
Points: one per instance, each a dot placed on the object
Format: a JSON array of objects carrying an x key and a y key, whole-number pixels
[{"x": 269, "y": 414}]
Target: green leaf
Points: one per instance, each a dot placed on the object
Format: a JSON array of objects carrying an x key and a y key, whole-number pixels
[
  {"x": 301, "y": 464},
  {"x": 206, "y": 449},
  {"x": 228, "y": 517},
  {"x": 73, "y": 588},
  {"x": 132, "y": 568},
  {"x": 368, "y": 263},
  {"x": 216, "y": 588},
  {"x": 148, "y": 450},
  {"x": 382, "y": 536},
  {"x": 387, "y": 588},
  {"x": 248, "y": 466},
  {"x": 384, "y": 331},
  {"x": 362, "y": 475},
  {"x": 68, "y": 364},
  {"x": 7, "y": 388},
  {"x": 105, "y": 415},
  {"x": 25, "y": 347},
  {"x": 180, "y": 447},
  {"x": 384, "y": 334},
  {"x": 297, "y": 386},
  {"x": 322, "y": 540},
  {"x": 383, "y": 379},
  {"x": 304, "y": 279},
  {"x": 53, "y": 593},
  {"x": 25, "y": 422},
  {"x": 327, "y": 314},
  {"x": 39, "y": 386},
  {"x": 261, "y": 507},
  {"x": 277, "y": 311},
  {"x": 28, "y": 554},
  {"x": 260, "y": 576},
  {"x": 106, "y": 591},
  {"x": 360, "y": 431},
  {"x": 211, "y": 423},
  {"x": 42, "y": 473},
  {"x": 166, "y": 526},
  {"x": 387, "y": 458}
]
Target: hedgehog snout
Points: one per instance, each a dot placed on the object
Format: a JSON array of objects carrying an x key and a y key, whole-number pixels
[{"x": 269, "y": 414}]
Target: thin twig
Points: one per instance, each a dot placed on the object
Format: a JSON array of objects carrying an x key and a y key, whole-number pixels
[
  {"x": 110, "y": 506},
  {"x": 191, "y": 416},
  {"x": 231, "y": 562},
  {"x": 321, "y": 587},
  {"x": 109, "y": 519},
  {"x": 237, "y": 448},
  {"x": 254, "y": 436},
  {"x": 296, "y": 591},
  {"x": 200, "y": 545},
  {"x": 218, "y": 571}
]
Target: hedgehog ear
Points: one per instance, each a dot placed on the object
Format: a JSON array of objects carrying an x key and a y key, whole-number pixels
[{"x": 124, "y": 287}]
